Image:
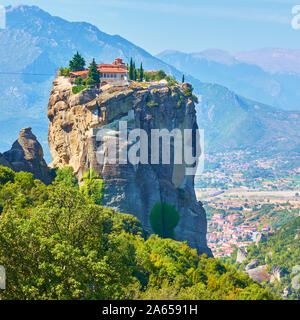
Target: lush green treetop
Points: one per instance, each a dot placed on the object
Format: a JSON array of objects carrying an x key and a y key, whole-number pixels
[{"x": 77, "y": 63}]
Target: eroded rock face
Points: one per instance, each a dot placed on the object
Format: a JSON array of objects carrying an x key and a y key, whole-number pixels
[
  {"x": 241, "y": 255},
  {"x": 259, "y": 274},
  {"x": 27, "y": 155},
  {"x": 75, "y": 121}
]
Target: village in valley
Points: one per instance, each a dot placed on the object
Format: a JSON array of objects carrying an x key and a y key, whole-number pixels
[{"x": 245, "y": 198}]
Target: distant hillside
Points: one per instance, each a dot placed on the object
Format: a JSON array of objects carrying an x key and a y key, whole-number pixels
[
  {"x": 233, "y": 122},
  {"x": 282, "y": 252},
  {"x": 246, "y": 74}
]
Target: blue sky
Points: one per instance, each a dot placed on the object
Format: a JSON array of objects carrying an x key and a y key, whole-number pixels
[{"x": 185, "y": 25}]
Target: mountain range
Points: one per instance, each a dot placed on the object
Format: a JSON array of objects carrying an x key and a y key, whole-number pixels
[
  {"x": 35, "y": 44},
  {"x": 266, "y": 75}
]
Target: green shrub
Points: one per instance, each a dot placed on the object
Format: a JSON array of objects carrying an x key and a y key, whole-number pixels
[
  {"x": 64, "y": 72},
  {"x": 90, "y": 82},
  {"x": 66, "y": 176},
  {"x": 93, "y": 186},
  {"x": 180, "y": 102},
  {"x": 79, "y": 81},
  {"x": 6, "y": 175},
  {"x": 188, "y": 91},
  {"x": 152, "y": 104},
  {"x": 77, "y": 89}
]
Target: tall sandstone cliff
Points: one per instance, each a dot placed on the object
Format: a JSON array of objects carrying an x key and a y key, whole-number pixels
[
  {"x": 26, "y": 154},
  {"x": 74, "y": 122}
]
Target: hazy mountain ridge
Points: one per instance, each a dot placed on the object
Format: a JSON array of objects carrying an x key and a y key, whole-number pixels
[
  {"x": 234, "y": 122},
  {"x": 245, "y": 77}
]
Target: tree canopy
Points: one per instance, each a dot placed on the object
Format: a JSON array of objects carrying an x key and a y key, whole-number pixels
[
  {"x": 77, "y": 63},
  {"x": 57, "y": 243}
]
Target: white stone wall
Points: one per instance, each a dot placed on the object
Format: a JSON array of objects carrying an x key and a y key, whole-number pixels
[{"x": 110, "y": 77}]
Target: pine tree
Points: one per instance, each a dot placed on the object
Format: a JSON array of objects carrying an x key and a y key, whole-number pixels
[
  {"x": 77, "y": 63},
  {"x": 141, "y": 73},
  {"x": 94, "y": 74}
]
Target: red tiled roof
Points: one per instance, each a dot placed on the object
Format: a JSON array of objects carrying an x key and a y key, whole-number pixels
[
  {"x": 111, "y": 69},
  {"x": 79, "y": 73}
]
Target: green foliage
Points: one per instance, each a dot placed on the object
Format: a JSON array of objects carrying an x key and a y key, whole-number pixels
[
  {"x": 60, "y": 251},
  {"x": 64, "y": 72},
  {"x": 152, "y": 103},
  {"x": 283, "y": 250},
  {"x": 94, "y": 74},
  {"x": 55, "y": 243},
  {"x": 66, "y": 177},
  {"x": 6, "y": 175},
  {"x": 80, "y": 81},
  {"x": 180, "y": 102},
  {"x": 77, "y": 89},
  {"x": 188, "y": 91},
  {"x": 77, "y": 63},
  {"x": 90, "y": 83},
  {"x": 131, "y": 70},
  {"x": 160, "y": 75},
  {"x": 141, "y": 73},
  {"x": 164, "y": 219},
  {"x": 171, "y": 81},
  {"x": 93, "y": 186},
  {"x": 26, "y": 179},
  {"x": 183, "y": 78}
]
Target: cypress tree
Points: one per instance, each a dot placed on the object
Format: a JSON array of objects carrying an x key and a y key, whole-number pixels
[
  {"x": 131, "y": 71},
  {"x": 134, "y": 72},
  {"x": 183, "y": 78},
  {"x": 141, "y": 72}
]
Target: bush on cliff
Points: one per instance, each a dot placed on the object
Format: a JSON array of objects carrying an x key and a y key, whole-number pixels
[{"x": 77, "y": 89}]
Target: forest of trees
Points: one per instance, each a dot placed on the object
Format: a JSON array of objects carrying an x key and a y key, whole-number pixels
[
  {"x": 58, "y": 242},
  {"x": 282, "y": 250}
]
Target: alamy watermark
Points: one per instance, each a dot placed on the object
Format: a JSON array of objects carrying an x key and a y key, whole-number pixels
[
  {"x": 2, "y": 278},
  {"x": 296, "y": 19},
  {"x": 2, "y": 17},
  {"x": 182, "y": 147}
]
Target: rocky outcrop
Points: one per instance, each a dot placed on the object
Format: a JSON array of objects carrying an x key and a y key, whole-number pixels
[
  {"x": 260, "y": 238},
  {"x": 276, "y": 274},
  {"x": 241, "y": 255},
  {"x": 75, "y": 121},
  {"x": 254, "y": 263},
  {"x": 286, "y": 292},
  {"x": 259, "y": 274},
  {"x": 27, "y": 155}
]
